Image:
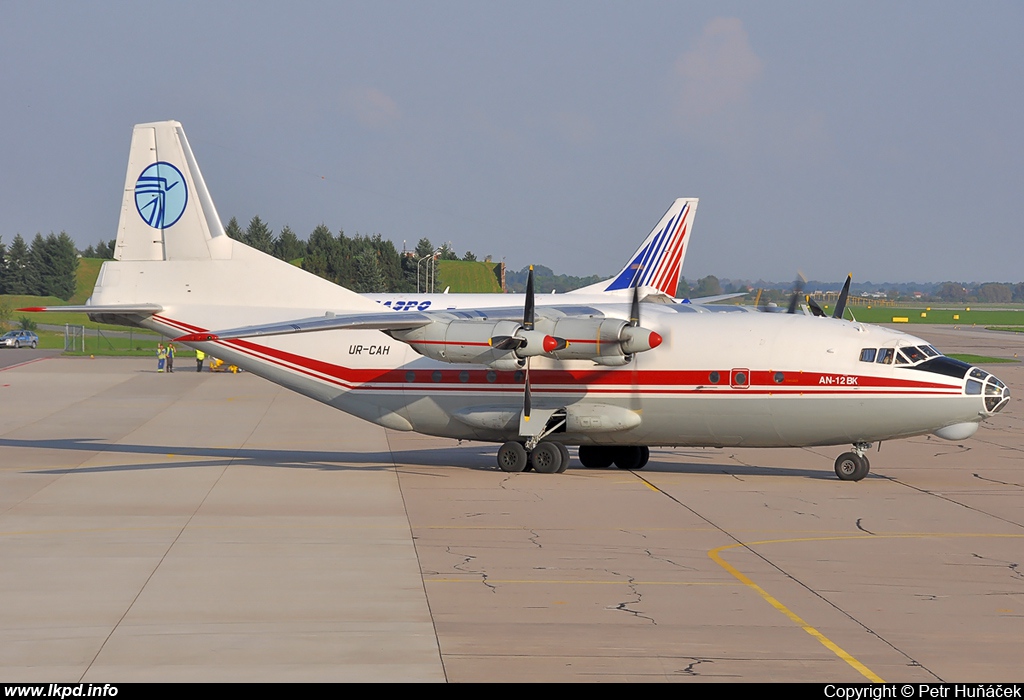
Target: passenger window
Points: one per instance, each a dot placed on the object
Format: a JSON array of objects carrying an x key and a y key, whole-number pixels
[
  {"x": 885, "y": 356},
  {"x": 868, "y": 355}
]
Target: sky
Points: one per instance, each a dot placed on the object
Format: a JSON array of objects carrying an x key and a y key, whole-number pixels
[{"x": 880, "y": 138}]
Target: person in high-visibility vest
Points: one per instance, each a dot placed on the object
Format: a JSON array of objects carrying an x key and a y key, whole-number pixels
[
  {"x": 161, "y": 357},
  {"x": 200, "y": 356}
]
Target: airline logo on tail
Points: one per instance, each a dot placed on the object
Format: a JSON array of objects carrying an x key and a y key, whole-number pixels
[
  {"x": 161, "y": 195},
  {"x": 657, "y": 264}
]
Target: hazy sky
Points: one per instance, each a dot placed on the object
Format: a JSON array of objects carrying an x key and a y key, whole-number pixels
[{"x": 883, "y": 138}]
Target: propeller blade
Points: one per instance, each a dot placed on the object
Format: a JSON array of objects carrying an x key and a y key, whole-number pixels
[
  {"x": 506, "y": 342},
  {"x": 843, "y": 296},
  {"x": 798, "y": 288},
  {"x": 527, "y": 402},
  {"x": 528, "y": 307},
  {"x": 816, "y": 309},
  {"x": 634, "y": 309}
]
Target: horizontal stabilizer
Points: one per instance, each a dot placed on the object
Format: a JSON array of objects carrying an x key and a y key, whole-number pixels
[
  {"x": 387, "y": 321},
  {"x": 145, "y": 309}
]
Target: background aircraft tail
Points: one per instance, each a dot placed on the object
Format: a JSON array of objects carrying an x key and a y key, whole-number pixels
[{"x": 658, "y": 262}]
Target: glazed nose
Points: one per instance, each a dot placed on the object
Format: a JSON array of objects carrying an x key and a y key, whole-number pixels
[{"x": 995, "y": 394}]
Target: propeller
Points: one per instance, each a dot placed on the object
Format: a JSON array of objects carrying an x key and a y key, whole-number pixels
[
  {"x": 815, "y": 308},
  {"x": 528, "y": 323},
  {"x": 843, "y": 296},
  {"x": 634, "y": 308},
  {"x": 798, "y": 288}
]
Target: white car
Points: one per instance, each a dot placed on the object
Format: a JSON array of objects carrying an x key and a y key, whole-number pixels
[{"x": 19, "y": 339}]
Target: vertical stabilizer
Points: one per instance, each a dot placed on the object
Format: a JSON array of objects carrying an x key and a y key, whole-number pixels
[
  {"x": 658, "y": 262},
  {"x": 166, "y": 212}
]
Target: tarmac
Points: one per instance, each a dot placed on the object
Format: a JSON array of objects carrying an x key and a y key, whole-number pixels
[{"x": 215, "y": 527}]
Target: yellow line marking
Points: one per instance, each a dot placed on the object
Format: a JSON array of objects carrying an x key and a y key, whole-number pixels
[
  {"x": 775, "y": 603},
  {"x": 825, "y": 641}
]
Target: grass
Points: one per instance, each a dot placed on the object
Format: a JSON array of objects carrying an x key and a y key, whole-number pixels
[
  {"x": 467, "y": 277},
  {"x": 979, "y": 359},
  {"x": 976, "y": 316}
]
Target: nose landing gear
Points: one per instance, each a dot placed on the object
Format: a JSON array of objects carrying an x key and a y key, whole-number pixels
[{"x": 854, "y": 466}]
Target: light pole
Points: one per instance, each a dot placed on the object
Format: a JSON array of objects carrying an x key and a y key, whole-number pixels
[{"x": 428, "y": 288}]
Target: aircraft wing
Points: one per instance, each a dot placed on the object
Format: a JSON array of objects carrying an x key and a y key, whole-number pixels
[
  {"x": 712, "y": 299},
  {"x": 386, "y": 321}
]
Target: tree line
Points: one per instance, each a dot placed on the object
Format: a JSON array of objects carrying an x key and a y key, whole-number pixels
[
  {"x": 47, "y": 267},
  {"x": 370, "y": 264},
  {"x": 364, "y": 264}
]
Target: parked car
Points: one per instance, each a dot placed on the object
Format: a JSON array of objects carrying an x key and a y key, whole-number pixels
[{"x": 19, "y": 339}]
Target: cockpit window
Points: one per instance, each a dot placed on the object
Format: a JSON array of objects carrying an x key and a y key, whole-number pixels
[
  {"x": 868, "y": 355},
  {"x": 885, "y": 356},
  {"x": 901, "y": 359},
  {"x": 914, "y": 354},
  {"x": 930, "y": 351}
]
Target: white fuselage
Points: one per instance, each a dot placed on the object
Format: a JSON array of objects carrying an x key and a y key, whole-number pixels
[{"x": 782, "y": 380}]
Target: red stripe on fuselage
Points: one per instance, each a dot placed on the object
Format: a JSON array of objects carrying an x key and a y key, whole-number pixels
[{"x": 596, "y": 380}]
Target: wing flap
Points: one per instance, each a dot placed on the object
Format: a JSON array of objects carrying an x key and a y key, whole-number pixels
[{"x": 387, "y": 321}]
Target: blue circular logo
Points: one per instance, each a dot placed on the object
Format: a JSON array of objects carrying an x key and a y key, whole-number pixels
[{"x": 161, "y": 195}]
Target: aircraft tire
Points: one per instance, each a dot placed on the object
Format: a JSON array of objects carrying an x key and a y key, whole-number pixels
[
  {"x": 629, "y": 458},
  {"x": 596, "y": 456},
  {"x": 852, "y": 467},
  {"x": 645, "y": 456},
  {"x": 565, "y": 457},
  {"x": 546, "y": 458},
  {"x": 512, "y": 457}
]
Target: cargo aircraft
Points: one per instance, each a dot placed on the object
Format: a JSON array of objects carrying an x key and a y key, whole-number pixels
[{"x": 612, "y": 377}]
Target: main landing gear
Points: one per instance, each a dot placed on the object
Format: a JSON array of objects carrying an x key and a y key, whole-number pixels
[
  {"x": 546, "y": 458},
  {"x": 854, "y": 466}
]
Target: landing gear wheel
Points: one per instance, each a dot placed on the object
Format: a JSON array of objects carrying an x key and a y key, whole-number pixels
[
  {"x": 512, "y": 457},
  {"x": 546, "y": 458},
  {"x": 596, "y": 457},
  {"x": 850, "y": 466},
  {"x": 645, "y": 456},
  {"x": 630, "y": 458},
  {"x": 565, "y": 457}
]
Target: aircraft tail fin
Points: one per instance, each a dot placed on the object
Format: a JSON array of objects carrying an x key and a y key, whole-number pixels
[
  {"x": 172, "y": 250},
  {"x": 167, "y": 212},
  {"x": 658, "y": 262}
]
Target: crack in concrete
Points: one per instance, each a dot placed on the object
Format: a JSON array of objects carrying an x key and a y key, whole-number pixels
[
  {"x": 631, "y": 582},
  {"x": 1014, "y": 567},
  {"x": 862, "y": 528},
  {"x": 655, "y": 557},
  {"x": 466, "y": 559},
  {"x": 996, "y": 481},
  {"x": 690, "y": 669}
]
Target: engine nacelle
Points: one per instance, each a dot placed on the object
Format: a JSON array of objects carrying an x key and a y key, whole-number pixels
[
  {"x": 606, "y": 341},
  {"x": 473, "y": 342}
]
